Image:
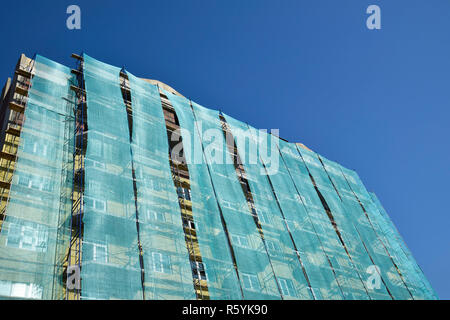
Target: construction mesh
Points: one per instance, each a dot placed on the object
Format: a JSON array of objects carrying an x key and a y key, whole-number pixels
[
  {"x": 356, "y": 233},
  {"x": 166, "y": 259},
  {"x": 110, "y": 254},
  {"x": 253, "y": 146},
  {"x": 325, "y": 261},
  {"x": 275, "y": 222},
  {"x": 213, "y": 243},
  {"x": 253, "y": 263},
  {"x": 35, "y": 231},
  {"x": 414, "y": 277}
]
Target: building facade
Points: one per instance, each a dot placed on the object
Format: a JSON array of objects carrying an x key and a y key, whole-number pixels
[{"x": 117, "y": 187}]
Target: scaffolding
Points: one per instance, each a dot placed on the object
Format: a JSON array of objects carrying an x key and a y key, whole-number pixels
[
  {"x": 34, "y": 230},
  {"x": 115, "y": 178},
  {"x": 180, "y": 176}
]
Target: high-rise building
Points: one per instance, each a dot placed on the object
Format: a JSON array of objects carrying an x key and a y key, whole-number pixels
[{"x": 117, "y": 187}]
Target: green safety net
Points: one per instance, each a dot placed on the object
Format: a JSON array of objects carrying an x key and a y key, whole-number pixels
[
  {"x": 253, "y": 146},
  {"x": 253, "y": 263},
  {"x": 166, "y": 259},
  {"x": 402, "y": 270},
  {"x": 363, "y": 209},
  {"x": 415, "y": 279},
  {"x": 110, "y": 266},
  {"x": 314, "y": 231},
  {"x": 35, "y": 232},
  {"x": 343, "y": 265},
  {"x": 327, "y": 264},
  {"x": 214, "y": 247},
  {"x": 337, "y": 197},
  {"x": 333, "y": 273},
  {"x": 356, "y": 231}
]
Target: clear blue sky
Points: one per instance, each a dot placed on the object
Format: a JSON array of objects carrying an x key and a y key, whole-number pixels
[{"x": 374, "y": 101}]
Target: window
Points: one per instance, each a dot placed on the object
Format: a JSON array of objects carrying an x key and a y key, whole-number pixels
[
  {"x": 31, "y": 181},
  {"x": 184, "y": 193},
  {"x": 5, "y": 288},
  {"x": 272, "y": 246},
  {"x": 95, "y": 187},
  {"x": 287, "y": 287},
  {"x": 228, "y": 204},
  {"x": 96, "y": 204},
  {"x": 160, "y": 262},
  {"x": 40, "y": 148},
  {"x": 150, "y": 215},
  {"x": 99, "y": 205},
  {"x": 100, "y": 253},
  {"x": 188, "y": 224},
  {"x": 94, "y": 163},
  {"x": 24, "y": 181},
  {"x": 24, "y": 290},
  {"x": 96, "y": 251},
  {"x": 263, "y": 217},
  {"x": 14, "y": 235},
  {"x": 187, "y": 194},
  {"x": 27, "y": 235},
  {"x": 99, "y": 165},
  {"x": 198, "y": 270},
  {"x": 250, "y": 282},
  {"x": 88, "y": 202},
  {"x": 20, "y": 290},
  {"x": 240, "y": 241},
  {"x": 48, "y": 185}
]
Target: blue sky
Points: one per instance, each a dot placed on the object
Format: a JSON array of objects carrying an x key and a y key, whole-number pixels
[{"x": 375, "y": 101}]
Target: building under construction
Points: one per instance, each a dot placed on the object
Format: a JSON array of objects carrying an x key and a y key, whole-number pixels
[{"x": 99, "y": 200}]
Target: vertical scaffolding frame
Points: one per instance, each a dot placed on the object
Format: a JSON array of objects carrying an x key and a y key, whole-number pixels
[
  {"x": 76, "y": 223},
  {"x": 192, "y": 245}
]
